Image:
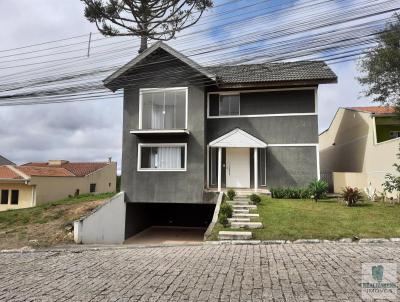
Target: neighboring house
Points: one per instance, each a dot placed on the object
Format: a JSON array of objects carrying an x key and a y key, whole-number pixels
[
  {"x": 35, "y": 183},
  {"x": 190, "y": 129},
  {"x": 5, "y": 161},
  {"x": 360, "y": 147}
]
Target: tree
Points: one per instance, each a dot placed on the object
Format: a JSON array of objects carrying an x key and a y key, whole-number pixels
[
  {"x": 381, "y": 66},
  {"x": 147, "y": 19}
]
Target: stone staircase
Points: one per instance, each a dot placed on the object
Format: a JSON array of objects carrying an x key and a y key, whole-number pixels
[{"x": 241, "y": 219}]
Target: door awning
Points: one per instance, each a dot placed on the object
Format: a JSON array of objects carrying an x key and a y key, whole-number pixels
[{"x": 238, "y": 138}]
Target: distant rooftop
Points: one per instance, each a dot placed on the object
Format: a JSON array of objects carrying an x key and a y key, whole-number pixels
[
  {"x": 5, "y": 161},
  {"x": 375, "y": 109}
]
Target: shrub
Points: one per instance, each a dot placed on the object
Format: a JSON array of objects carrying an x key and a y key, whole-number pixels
[
  {"x": 255, "y": 198},
  {"x": 223, "y": 219},
  {"x": 351, "y": 196},
  {"x": 318, "y": 189},
  {"x": 290, "y": 193},
  {"x": 226, "y": 209},
  {"x": 231, "y": 194}
]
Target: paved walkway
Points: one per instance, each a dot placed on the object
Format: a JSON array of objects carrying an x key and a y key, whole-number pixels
[{"x": 289, "y": 272}]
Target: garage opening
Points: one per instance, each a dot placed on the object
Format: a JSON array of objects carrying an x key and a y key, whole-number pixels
[{"x": 158, "y": 223}]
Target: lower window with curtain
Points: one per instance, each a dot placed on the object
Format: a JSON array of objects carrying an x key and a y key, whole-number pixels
[{"x": 162, "y": 157}]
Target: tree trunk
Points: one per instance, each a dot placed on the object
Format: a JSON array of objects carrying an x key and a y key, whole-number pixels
[{"x": 143, "y": 44}]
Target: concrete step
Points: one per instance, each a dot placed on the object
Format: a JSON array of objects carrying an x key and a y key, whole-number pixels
[
  {"x": 234, "y": 202},
  {"x": 244, "y": 206},
  {"x": 234, "y": 219},
  {"x": 245, "y": 215},
  {"x": 250, "y": 225},
  {"x": 231, "y": 235},
  {"x": 241, "y": 211}
]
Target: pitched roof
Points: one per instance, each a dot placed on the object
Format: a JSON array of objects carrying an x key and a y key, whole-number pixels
[
  {"x": 7, "y": 173},
  {"x": 237, "y": 75},
  {"x": 5, "y": 161},
  {"x": 274, "y": 72},
  {"x": 44, "y": 171},
  {"x": 64, "y": 169},
  {"x": 375, "y": 109}
]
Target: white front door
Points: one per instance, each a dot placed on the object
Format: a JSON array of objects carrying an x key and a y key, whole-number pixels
[{"x": 237, "y": 167}]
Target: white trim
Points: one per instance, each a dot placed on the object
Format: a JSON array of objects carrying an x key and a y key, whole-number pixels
[
  {"x": 142, "y": 90},
  {"x": 261, "y": 115},
  {"x": 375, "y": 138},
  {"x": 208, "y": 166},
  {"x": 161, "y": 131},
  {"x": 219, "y": 169},
  {"x": 255, "y": 142},
  {"x": 140, "y": 145},
  {"x": 292, "y": 145},
  {"x": 255, "y": 169},
  {"x": 318, "y": 165},
  {"x": 263, "y": 90}
]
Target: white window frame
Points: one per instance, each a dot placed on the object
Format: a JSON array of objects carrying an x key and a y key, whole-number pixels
[
  {"x": 262, "y": 115},
  {"x": 139, "y": 158},
  {"x": 143, "y": 90}
]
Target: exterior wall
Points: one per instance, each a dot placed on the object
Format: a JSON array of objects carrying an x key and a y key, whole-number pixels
[
  {"x": 26, "y": 195},
  {"x": 55, "y": 188},
  {"x": 161, "y": 186},
  {"x": 344, "y": 179},
  {"x": 349, "y": 145},
  {"x": 106, "y": 225},
  {"x": 294, "y": 165}
]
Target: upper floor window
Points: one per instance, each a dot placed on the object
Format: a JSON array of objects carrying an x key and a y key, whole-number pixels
[
  {"x": 163, "y": 108},
  {"x": 224, "y": 104},
  {"x": 394, "y": 134}
]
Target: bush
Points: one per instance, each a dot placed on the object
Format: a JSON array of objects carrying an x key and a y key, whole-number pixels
[
  {"x": 226, "y": 209},
  {"x": 351, "y": 196},
  {"x": 231, "y": 194},
  {"x": 318, "y": 189},
  {"x": 223, "y": 219},
  {"x": 255, "y": 198},
  {"x": 290, "y": 193}
]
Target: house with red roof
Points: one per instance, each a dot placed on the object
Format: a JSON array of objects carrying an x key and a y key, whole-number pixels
[
  {"x": 32, "y": 184},
  {"x": 360, "y": 147}
]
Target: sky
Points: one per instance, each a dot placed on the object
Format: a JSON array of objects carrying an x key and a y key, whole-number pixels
[{"x": 92, "y": 130}]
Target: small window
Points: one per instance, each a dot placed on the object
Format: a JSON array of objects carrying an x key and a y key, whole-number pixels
[
  {"x": 14, "y": 196},
  {"x": 92, "y": 188},
  {"x": 4, "y": 196},
  {"x": 168, "y": 157},
  {"x": 229, "y": 104},
  {"x": 224, "y": 104},
  {"x": 394, "y": 134}
]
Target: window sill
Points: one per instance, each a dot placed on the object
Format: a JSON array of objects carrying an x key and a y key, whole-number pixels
[
  {"x": 141, "y": 132},
  {"x": 161, "y": 170}
]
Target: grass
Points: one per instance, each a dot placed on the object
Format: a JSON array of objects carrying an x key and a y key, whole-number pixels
[
  {"x": 327, "y": 219},
  {"x": 41, "y": 214}
]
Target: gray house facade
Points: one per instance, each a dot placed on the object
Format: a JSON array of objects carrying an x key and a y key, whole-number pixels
[{"x": 189, "y": 129}]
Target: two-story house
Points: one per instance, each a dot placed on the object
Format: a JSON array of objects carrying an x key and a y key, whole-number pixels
[{"x": 190, "y": 129}]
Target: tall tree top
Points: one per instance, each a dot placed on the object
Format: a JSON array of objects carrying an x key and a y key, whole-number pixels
[{"x": 147, "y": 19}]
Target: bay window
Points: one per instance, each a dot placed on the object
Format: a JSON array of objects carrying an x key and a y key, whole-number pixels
[
  {"x": 163, "y": 108},
  {"x": 162, "y": 157}
]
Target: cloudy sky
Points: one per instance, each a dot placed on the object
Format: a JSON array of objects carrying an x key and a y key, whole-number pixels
[{"x": 91, "y": 131}]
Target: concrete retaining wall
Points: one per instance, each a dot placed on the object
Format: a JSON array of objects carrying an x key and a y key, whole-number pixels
[{"x": 105, "y": 226}]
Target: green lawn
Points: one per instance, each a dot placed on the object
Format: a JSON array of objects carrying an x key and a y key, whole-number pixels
[{"x": 326, "y": 219}]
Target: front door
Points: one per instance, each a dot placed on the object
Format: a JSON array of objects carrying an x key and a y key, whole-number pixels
[{"x": 237, "y": 167}]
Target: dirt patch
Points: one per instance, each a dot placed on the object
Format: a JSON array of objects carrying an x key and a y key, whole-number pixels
[{"x": 51, "y": 228}]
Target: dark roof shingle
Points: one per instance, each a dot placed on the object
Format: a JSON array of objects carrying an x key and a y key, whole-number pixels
[{"x": 274, "y": 72}]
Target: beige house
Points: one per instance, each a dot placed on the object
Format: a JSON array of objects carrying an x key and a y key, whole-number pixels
[
  {"x": 359, "y": 148},
  {"x": 35, "y": 183}
]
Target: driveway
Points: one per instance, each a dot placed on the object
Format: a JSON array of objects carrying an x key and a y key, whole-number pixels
[{"x": 289, "y": 272}]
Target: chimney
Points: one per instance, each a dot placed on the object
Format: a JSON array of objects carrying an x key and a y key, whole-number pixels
[{"x": 57, "y": 162}]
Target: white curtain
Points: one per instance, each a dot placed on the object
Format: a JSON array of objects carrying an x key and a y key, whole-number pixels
[
  {"x": 166, "y": 158},
  {"x": 157, "y": 117}
]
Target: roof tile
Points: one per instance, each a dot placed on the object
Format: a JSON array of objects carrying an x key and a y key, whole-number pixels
[{"x": 375, "y": 109}]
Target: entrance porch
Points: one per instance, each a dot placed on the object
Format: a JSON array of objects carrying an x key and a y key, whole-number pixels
[{"x": 237, "y": 160}]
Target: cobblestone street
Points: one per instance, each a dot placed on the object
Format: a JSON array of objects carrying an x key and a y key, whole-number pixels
[{"x": 289, "y": 272}]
